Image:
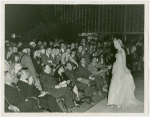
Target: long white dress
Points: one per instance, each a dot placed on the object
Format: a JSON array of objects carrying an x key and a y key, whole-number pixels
[{"x": 122, "y": 87}]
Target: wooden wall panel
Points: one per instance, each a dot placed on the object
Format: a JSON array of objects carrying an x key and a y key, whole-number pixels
[{"x": 104, "y": 18}]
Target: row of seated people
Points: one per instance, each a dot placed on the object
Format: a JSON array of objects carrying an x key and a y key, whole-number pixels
[{"x": 63, "y": 84}]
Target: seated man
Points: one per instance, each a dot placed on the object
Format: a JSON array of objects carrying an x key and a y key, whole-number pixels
[
  {"x": 94, "y": 65},
  {"x": 58, "y": 55},
  {"x": 52, "y": 56},
  {"x": 73, "y": 77},
  {"x": 14, "y": 100},
  {"x": 49, "y": 84},
  {"x": 45, "y": 58},
  {"x": 93, "y": 68},
  {"x": 84, "y": 73},
  {"x": 67, "y": 57},
  {"x": 11, "y": 59},
  {"x": 27, "y": 88}
]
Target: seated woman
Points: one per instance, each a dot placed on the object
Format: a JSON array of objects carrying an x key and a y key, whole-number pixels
[{"x": 61, "y": 77}]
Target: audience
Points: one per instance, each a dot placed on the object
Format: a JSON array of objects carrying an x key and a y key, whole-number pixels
[
  {"x": 57, "y": 90},
  {"x": 77, "y": 80},
  {"x": 14, "y": 100},
  {"x": 25, "y": 84},
  {"x": 38, "y": 76}
]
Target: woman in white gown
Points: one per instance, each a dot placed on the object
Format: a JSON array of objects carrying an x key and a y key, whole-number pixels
[{"x": 122, "y": 87}]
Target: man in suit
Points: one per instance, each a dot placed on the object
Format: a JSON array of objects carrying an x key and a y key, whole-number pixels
[
  {"x": 45, "y": 58},
  {"x": 83, "y": 72},
  {"x": 11, "y": 58},
  {"x": 14, "y": 100},
  {"x": 58, "y": 55},
  {"x": 49, "y": 84},
  {"x": 83, "y": 53},
  {"x": 73, "y": 77},
  {"x": 29, "y": 90},
  {"x": 52, "y": 56},
  {"x": 79, "y": 52}
]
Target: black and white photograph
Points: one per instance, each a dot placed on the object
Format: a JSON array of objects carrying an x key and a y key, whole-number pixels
[{"x": 74, "y": 58}]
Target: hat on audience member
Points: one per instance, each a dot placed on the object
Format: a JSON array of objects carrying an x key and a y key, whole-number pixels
[{"x": 32, "y": 43}]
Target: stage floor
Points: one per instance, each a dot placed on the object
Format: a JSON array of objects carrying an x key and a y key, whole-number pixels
[{"x": 102, "y": 107}]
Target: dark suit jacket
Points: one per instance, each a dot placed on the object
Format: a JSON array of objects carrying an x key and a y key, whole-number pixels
[
  {"x": 83, "y": 72},
  {"x": 45, "y": 59},
  {"x": 79, "y": 55},
  {"x": 71, "y": 75},
  {"x": 28, "y": 90},
  {"x": 48, "y": 82},
  {"x": 58, "y": 59},
  {"x": 53, "y": 59},
  {"x": 37, "y": 64},
  {"x": 60, "y": 78},
  {"x": 15, "y": 98},
  {"x": 12, "y": 58},
  {"x": 86, "y": 55}
]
